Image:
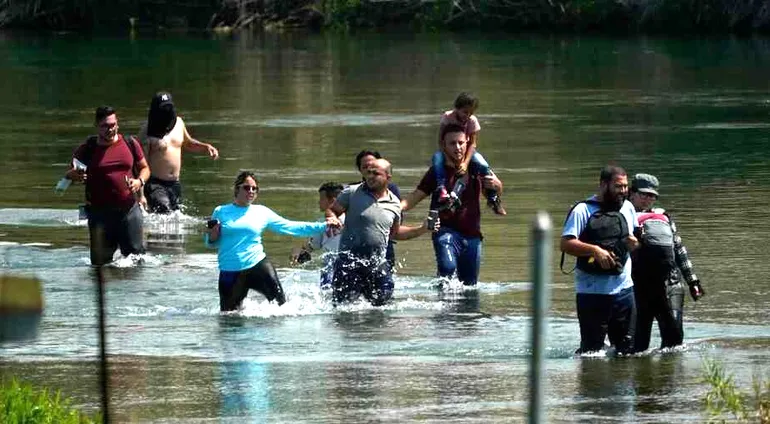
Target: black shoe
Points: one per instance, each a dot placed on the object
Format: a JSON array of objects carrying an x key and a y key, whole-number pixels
[
  {"x": 497, "y": 206},
  {"x": 454, "y": 202}
]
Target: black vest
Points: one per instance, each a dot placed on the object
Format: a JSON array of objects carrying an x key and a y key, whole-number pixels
[{"x": 607, "y": 229}]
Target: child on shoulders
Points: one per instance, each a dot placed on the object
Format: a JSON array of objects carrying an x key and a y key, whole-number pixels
[{"x": 463, "y": 115}]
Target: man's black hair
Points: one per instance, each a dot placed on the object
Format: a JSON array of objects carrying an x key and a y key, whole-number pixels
[
  {"x": 103, "y": 112},
  {"x": 363, "y": 153},
  {"x": 609, "y": 172},
  {"x": 451, "y": 128},
  {"x": 331, "y": 189}
]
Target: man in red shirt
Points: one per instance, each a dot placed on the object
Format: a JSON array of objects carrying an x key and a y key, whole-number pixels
[
  {"x": 116, "y": 170},
  {"x": 458, "y": 243}
]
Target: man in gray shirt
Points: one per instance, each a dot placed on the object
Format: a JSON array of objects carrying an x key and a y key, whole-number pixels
[{"x": 372, "y": 216}]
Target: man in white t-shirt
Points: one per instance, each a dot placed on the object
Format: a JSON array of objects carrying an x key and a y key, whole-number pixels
[{"x": 328, "y": 244}]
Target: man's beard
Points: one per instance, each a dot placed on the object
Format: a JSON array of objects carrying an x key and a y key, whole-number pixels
[
  {"x": 611, "y": 201},
  {"x": 376, "y": 185}
]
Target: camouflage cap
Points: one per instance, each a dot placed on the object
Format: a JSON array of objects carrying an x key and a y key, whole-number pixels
[{"x": 645, "y": 183}]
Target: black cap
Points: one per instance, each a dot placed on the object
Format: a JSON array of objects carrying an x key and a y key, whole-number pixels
[
  {"x": 162, "y": 116},
  {"x": 645, "y": 183}
]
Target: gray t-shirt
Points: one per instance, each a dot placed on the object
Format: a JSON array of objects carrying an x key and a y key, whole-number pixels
[{"x": 367, "y": 220}]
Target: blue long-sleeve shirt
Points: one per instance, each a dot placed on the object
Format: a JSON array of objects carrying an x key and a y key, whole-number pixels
[{"x": 240, "y": 238}]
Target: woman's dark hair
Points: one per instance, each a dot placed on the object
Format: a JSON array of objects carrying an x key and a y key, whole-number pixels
[
  {"x": 464, "y": 100},
  {"x": 103, "y": 112},
  {"x": 239, "y": 180},
  {"x": 362, "y": 153}
]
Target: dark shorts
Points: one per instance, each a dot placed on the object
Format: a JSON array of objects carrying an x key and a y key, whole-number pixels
[
  {"x": 607, "y": 315},
  {"x": 112, "y": 228},
  {"x": 235, "y": 285},
  {"x": 355, "y": 276},
  {"x": 162, "y": 196}
]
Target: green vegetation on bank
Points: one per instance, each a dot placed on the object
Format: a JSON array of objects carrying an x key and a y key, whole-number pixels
[
  {"x": 617, "y": 16},
  {"x": 21, "y": 404},
  {"x": 727, "y": 403}
]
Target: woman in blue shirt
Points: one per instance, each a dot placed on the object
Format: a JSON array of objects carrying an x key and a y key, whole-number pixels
[{"x": 237, "y": 234}]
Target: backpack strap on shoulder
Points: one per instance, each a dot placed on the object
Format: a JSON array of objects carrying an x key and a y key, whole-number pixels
[
  {"x": 88, "y": 153},
  {"x": 129, "y": 139},
  {"x": 561, "y": 262}
]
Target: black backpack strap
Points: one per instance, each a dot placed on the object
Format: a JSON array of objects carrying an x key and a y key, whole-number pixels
[
  {"x": 561, "y": 262},
  {"x": 561, "y": 266},
  {"x": 86, "y": 157},
  {"x": 88, "y": 152},
  {"x": 129, "y": 139}
]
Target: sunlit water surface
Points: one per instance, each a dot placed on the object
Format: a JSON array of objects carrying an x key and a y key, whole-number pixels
[{"x": 297, "y": 108}]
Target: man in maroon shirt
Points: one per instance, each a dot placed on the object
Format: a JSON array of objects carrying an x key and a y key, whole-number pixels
[
  {"x": 116, "y": 170},
  {"x": 458, "y": 243}
]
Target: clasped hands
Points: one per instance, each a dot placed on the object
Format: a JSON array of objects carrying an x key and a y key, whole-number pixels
[
  {"x": 607, "y": 259},
  {"x": 333, "y": 226}
]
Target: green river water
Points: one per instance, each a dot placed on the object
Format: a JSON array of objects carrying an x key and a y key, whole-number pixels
[{"x": 297, "y": 108}]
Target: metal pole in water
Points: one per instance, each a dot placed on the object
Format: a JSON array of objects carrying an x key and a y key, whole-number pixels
[
  {"x": 103, "y": 376},
  {"x": 541, "y": 286}
]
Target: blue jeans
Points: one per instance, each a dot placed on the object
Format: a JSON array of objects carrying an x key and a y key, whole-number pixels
[
  {"x": 457, "y": 255},
  {"x": 612, "y": 315},
  {"x": 368, "y": 276},
  {"x": 481, "y": 165}
]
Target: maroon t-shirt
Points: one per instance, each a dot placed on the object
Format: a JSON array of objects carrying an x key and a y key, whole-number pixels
[
  {"x": 466, "y": 219},
  {"x": 107, "y": 171}
]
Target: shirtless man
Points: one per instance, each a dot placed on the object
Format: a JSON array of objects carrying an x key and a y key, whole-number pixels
[{"x": 164, "y": 135}]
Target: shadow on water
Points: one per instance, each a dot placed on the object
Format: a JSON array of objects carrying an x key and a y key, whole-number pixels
[
  {"x": 361, "y": 322},
  {"x": 644, "y": 388},
  {"x": 465, "y": 305},
  {"x": 244, "y": 389}
]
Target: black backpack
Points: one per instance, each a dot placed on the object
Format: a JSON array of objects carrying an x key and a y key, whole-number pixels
[
  {"x": 607, "y": 229},
  {"x": 654, "y": 261}
]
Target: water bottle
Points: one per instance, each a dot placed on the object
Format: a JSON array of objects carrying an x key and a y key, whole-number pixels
[
  {"x": 65, "y": 182},
  {"x": 62, "y": 186}
]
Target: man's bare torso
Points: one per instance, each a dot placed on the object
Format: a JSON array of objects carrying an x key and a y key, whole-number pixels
[{"x": 164, "y": 155}]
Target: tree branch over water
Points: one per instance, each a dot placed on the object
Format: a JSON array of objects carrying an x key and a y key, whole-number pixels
[{"x": 663, "y": 16}]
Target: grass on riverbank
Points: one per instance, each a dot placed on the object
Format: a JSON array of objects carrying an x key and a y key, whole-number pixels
[
  {"x": 21, "y": 404},
  {"x": 725, "y": 402}
]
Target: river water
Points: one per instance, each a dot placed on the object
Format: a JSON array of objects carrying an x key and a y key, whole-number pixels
[{"x": 297, "y": 108}]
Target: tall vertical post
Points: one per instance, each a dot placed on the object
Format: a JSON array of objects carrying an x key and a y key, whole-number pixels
[
  {"x": 103, "y": 372},
  {"x": 541, "y": 286}
]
